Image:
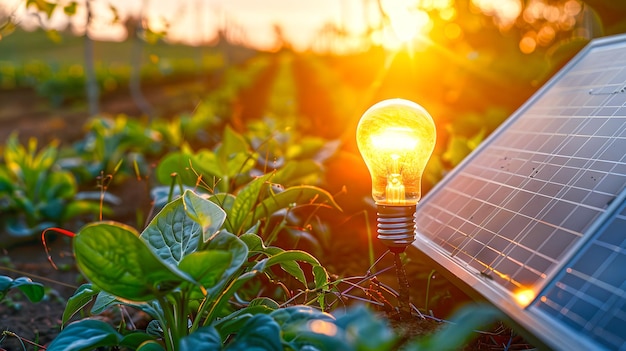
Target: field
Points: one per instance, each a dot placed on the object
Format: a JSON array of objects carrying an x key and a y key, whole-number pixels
[{"x": 295, "y": 111}]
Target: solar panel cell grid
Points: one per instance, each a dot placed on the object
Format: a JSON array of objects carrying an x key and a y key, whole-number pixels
[
  {"x": 525, "y": 208},
  {"x": 590, "y": 294}
]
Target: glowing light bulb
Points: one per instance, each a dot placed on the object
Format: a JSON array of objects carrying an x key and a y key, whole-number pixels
[{"x": 396, "y": 138}]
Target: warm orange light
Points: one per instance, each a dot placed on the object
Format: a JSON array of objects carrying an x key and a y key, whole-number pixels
[
  {"x": 396, "y": 138},
  {"x": 505, "y": 12},
  {"x": 524, "y": 297},
  {"x": 406, "y": 20},
  {"x": 323, "y": 327},
  {"x": 527, "y": 45}
]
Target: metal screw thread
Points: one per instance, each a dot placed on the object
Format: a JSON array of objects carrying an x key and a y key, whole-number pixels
[{"x": 396, "y": 226}]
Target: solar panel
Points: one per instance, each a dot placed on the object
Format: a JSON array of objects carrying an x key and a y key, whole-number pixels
[{"x": 534, "y": 219}]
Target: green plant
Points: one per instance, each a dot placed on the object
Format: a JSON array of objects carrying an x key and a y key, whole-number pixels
[
  {"x": 270, "y": 184},
  {"x": 115, "y": 145},
  {"x": 187, "y": 128},
  {"x": 230, "y": 163},
  {"x": 193, "y": 279},
  {"x": 34, "y": 192},
  {"x": 182, "y": 270},
  {"x": 32, "y": 290}
]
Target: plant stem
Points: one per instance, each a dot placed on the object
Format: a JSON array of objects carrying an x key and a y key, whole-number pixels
[
  {"x": 168, "y": 324},
  {"x": 430, "y": 275},
  {"x": 403, "y": 290},
  {"x": 22, "y": 340}
]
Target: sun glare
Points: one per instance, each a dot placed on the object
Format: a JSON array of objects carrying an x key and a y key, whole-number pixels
[
  {"x": 409, "y": 20},
  {"x": 524, "y": 296},
  {"x": 406, "y": 20},
  {"x": 504, "y": 12}
]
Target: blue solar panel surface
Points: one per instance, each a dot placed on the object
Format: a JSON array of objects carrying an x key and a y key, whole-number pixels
[
  {"x": 590, "y": 294},
  {"x": 539, "y": 206}
]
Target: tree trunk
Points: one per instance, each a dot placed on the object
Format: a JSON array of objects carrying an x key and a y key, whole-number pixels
[{"x": 91, "y": 82}]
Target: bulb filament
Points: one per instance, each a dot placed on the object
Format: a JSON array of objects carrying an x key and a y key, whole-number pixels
[{"x": 395, "y": 187}]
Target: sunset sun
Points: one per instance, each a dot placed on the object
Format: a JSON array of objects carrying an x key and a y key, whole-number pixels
[{"x": 406, "y": 21}]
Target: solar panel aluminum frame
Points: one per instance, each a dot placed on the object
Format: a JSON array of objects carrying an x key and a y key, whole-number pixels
[{"x": 539, "y": 326}]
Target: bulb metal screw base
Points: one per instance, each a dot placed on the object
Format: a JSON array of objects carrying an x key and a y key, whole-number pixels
[{"x": 396, "y": 226}]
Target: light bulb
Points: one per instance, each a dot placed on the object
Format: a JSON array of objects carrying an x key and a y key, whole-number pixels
[{"x": 396, "y": 138}]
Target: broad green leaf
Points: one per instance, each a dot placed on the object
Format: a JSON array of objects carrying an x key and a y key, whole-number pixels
[
  {"x": 256, "y": 246},
  {"x": 254, "y": 229},
  {"x": 320, "y": 276},
  {"x": 320, "y": 335},
  {"x": 294, "y": 315},
  {"x": 86, "y": 334},
  {"x": 226, "y": 294},
  {"x": 59, "y": 185},
  {"x": 298, "y": 172},
  {"x": 206, "y": 267},
  {"x": 224, "y": 201},
  {"x": 234, "y": 155},
  {"x": 150, "y": 345},
  {"x": 6, "y": 183},
  {"x": 204, "y": 212},
  {"x": 83, "y": 295},
  {"x": 298, "y": 195},
  {"x": 264, "y": 301},
  {"x": 254, "y": 242},
  {"x": 174, "y": 232},
  {"x": 80, "y": 207},
  {"x": 288, "y": 265},
  {"x": 227, "y": 242},
  {"x": 260, "y": 332},
  {"x": 205, "y": 338},
  {"x": 292, "y": 255},
  {"x": 304, "y": 326},
  {"x": 206, "y": 163},
  {"x": 5, "y": 283},
  {"x": 112, "y": 256},
  {"x": 235, "y": 321},
  {"x": 179, "y": 163},
  {"x": 246, "y": 202},
  {"x": 288, "y": 262},
  {"x": 232, "y": 143},
  {"x": 16, "y": 226},
  {"x": 134, "y": 340},
  {"x": 154, "y": 328},
  {"x": 33, "y": 291},
  {"x": 46, "y": 157},
  {"x": 103, "y": 301}
]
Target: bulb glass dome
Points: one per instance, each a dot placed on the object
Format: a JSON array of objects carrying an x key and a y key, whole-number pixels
[{"x": 396, "y": 138}]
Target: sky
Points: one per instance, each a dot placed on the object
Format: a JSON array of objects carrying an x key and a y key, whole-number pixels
[
  {"x": 253, "y": 22},
  {"x": 195, "y": 20}
]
